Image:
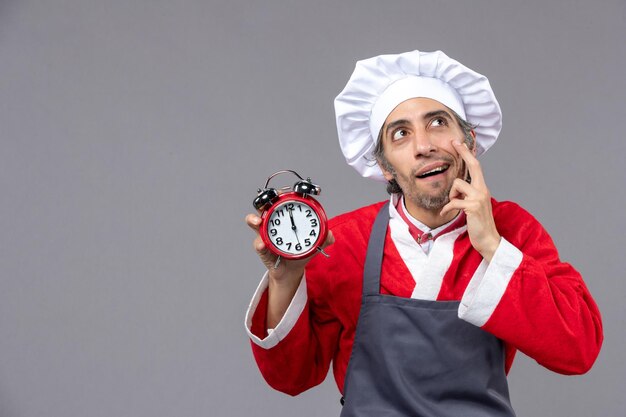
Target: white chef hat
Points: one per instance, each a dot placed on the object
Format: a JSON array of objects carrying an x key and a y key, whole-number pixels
[{"x": 379, "y": 84}]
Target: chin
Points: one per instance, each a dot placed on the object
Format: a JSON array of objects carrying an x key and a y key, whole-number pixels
[{"x": 429, "y": 201}]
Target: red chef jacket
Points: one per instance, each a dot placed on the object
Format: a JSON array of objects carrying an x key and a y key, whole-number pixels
[{"x": 526, "y": 296}]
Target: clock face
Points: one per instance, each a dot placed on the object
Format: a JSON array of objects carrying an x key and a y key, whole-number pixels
[{"x": 294, "y": 228}]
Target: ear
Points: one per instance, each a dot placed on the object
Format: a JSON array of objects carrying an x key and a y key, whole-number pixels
[
  {"x": 388, "y": 175},
  {"x": 473, "y": 147}
]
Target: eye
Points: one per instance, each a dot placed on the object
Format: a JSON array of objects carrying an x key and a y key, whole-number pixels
[
  {"x": 399, "y": 134},
  {"x": 439, "y": 121}
]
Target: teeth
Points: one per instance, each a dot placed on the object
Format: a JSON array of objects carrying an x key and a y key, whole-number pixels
[{"x": 434, "y": 171}]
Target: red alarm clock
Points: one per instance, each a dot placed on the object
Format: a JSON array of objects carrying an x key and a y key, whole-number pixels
[{"x": 293, "y": 223}]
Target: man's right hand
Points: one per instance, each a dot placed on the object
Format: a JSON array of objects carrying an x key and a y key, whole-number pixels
[{"x": 283, "y": 280}]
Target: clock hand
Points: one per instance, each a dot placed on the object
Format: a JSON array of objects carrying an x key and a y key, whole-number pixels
[{"x": 293, "y": 224}]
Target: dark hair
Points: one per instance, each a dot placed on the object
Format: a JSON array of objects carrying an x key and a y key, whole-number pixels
[{"x": 379, "y": 152}]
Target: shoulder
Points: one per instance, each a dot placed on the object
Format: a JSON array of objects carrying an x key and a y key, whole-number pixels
[
  {"x": 356, "y": 222},
  {"x": 511, "y": 211},
  {"x": 508, "y": 208},
  {"x": 515, "y": 223},
  {"x": 346, "y": 255},
  {"x": 351, "y": 232}
]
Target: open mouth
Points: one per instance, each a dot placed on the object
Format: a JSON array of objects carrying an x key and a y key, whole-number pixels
[{"x": 435, "y": 171}]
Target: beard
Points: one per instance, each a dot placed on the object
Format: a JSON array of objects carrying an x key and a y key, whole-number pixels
[
  {"x": 433, "y": 199},
  {"x": 426, "y": 200}
]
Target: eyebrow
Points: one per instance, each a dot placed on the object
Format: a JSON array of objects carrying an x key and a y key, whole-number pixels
[
  {"x": 395, "y": 124},
  {"x": 429, "y": 115},
  {"x": 438, "y": 113}
]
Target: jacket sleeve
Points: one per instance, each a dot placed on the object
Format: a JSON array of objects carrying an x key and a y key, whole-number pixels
[
  {"x": 319, "y": 324},
  {"x": 531, "y": 300},
  {"x": 296, "y": 355}
]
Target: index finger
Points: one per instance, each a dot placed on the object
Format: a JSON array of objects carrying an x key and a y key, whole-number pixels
[
  {"x": 472, "y": 163},
  {"x": 253, "y": 221}
]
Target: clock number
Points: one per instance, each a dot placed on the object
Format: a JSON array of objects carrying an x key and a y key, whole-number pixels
[{"x": 293, "y": 214}]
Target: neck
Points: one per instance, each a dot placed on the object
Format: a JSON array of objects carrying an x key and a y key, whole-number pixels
[{"x": 430, "y": 217}]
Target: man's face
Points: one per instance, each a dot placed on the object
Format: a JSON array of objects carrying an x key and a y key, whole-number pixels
[{"x": 417, "y": 142}]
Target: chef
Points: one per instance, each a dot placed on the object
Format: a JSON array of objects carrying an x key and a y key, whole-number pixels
[{"x": 426, "y": 297}]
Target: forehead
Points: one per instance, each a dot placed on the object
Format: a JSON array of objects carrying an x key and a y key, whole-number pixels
[{"x": 416, "y": 108}]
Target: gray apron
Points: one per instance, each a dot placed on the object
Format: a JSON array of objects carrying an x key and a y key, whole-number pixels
[{"x": 417, "y": 358}]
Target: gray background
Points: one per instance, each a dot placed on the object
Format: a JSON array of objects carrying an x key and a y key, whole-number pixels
[{"x": 134, "y": 135}]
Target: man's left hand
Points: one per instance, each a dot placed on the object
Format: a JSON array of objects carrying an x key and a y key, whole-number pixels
[{"x": 475, "y": 200}]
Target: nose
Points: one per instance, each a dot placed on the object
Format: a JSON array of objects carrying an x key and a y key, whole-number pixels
[{"x": 423, "y": 145}]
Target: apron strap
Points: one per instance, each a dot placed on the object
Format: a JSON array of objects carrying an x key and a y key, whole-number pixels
[{"x": 374, "y": 256}]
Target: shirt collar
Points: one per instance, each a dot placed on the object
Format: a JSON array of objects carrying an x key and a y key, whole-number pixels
[{"x": 420, "y": 232}]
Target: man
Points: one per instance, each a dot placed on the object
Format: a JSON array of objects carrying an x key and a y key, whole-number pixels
[{"x": 424, "y": 299}]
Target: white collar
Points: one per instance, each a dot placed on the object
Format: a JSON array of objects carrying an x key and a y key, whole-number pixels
[{"x": 393, "y": 213}]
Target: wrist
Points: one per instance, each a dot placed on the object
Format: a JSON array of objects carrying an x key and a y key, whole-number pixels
[
  {"x": 490, "y": 249},
  {"x": 285, "y": 278},
  {"x": 281, "y": 292}
]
